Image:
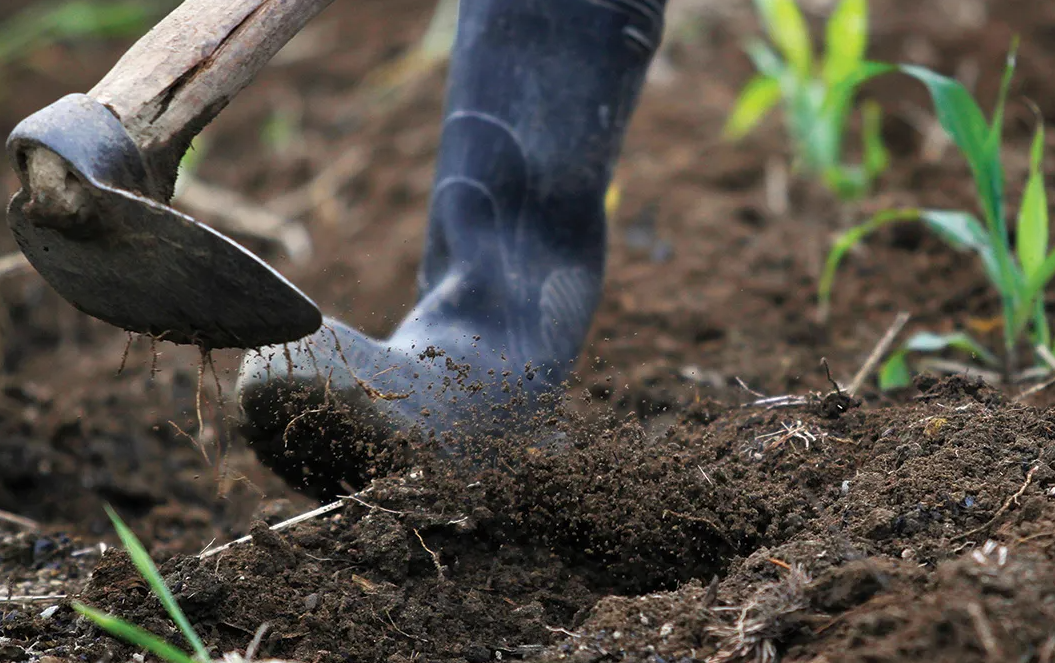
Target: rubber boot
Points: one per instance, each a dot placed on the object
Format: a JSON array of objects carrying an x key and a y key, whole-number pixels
[{"x": 538, "y": 100}]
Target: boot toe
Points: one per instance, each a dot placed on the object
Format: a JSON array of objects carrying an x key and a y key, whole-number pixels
[{"x": 306, "y": 415}]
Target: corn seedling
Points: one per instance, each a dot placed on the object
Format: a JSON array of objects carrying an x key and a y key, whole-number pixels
[
  {"x": 816, "y": 99},
  {"x": 138, "y": 636},
  {"x": 1019, "y": 273}
]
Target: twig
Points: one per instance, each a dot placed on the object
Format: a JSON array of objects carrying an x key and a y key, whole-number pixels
[
  {"x": 774, "y": 402},
  {"x": 881, "y": 348},
  {"x": 124, "y": 355},
  {"x": 1035, "y": 389},
  {"x": 20, "y": 521},
  {"x": 985, "y": 632},
  {"x": 391, "y": 621},
  {"x": 828, "y": 373},
  {"x": 32, "y": 599},
  {"x": 294, "y": 420},
  {"x": 355, "y": 498},
  {"x": 776, "y": 186},
  {"x": 322, "y": 510},
  {"x": 258, "y": 637},
  {"x": 562, "y": 631},
  {"x": 441, "y": 570},
  {"x": 1003, "y": 509},
  {"x": 743, "y": 385},
  {"x": 324, "y": 186},
  {"x": 199, "y": 447}
]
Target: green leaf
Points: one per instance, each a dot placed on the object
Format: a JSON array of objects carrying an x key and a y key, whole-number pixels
[
  {"x": 758, "y": 97},
  {"x": 963, "y": 120},
  {"x": 996, "y": 129},
  {"x": 931, "y": 342},
  {"x": 847, "y": 241},
  {"x": 817, "y": 138},
  {"x": 959, "y": 229},
  {"x": 847, "y": 182},
  {"x": 845, "y": 89},
  {"x": 895, "y": 372},
  {"x": 786, "y": 27},
  {"x": 847, "y": 38},
  {"x": 838, "y": 101},
  {"x": 150, "y": 573},
  {"x": 765, "y": 60},
  {"x": 1032, "y": 235},
  {"x": 962, "y": 230},
  {"x": 876, "y": 156},
  {"x": 1041, "y": 328},
  {"x": 1031, "y": 289},
  {"x": 135, "y": 635}
]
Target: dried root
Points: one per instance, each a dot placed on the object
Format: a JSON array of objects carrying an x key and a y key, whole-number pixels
[{"x": 762, "y": 621}]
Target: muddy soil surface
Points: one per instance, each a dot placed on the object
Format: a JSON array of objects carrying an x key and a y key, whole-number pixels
[{"x": 684, "y": 520}]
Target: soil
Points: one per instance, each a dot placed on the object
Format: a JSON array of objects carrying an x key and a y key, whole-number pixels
[{"x": 685, "y": 519}]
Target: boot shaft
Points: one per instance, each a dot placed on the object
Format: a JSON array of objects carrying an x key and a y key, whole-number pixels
[{"x": 539, "y": 96}]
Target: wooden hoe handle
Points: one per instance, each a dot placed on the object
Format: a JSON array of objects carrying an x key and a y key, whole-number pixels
[{"x": 176, "y": 79}]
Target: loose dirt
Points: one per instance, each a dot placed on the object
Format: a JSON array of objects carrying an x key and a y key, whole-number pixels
[{"x": 683, "y": 520}]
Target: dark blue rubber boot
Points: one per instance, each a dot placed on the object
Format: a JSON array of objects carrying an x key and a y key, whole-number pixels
[{"x": 539, "y": 96}]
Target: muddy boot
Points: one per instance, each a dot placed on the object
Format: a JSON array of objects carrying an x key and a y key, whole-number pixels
[{"x": 538, "y": 100}]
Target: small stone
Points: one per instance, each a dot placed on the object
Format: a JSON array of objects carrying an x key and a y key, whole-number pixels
[{"x": 878, "y": 524}]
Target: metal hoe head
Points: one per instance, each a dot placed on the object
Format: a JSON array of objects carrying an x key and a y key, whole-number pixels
[{"x": 129, "y": 260}]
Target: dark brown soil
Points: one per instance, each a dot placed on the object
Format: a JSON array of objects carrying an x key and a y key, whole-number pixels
[{"x": 683, "y": 521}]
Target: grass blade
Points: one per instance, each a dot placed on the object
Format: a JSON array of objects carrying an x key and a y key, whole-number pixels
[
  {"x": 876, "y": 157},
  {"x": 1032, "y": 235},
  {"x": 847, "y": 241},
  {"x": 758, "y": 97},
  {"x": 121, "y": 629},
  {"x": 846, "y": 40},
  {"x": 996, "y": 129},
  {"x": 146, "y": 567},
  {"x": 1041, "y": 328},
  {"x": 786, "y": 27}
]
